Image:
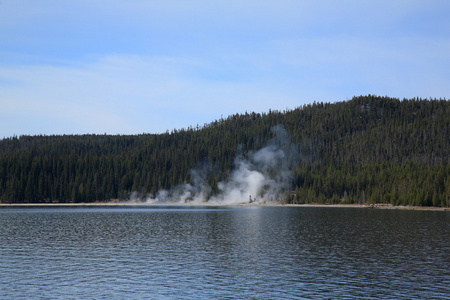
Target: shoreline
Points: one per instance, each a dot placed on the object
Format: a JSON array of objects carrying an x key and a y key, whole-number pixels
[{"x": 255, "y": 204}]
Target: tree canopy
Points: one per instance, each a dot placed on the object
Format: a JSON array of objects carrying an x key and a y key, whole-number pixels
[{"x": 366, "y": 150}]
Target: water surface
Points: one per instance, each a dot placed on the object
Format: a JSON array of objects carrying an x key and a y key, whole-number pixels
[{"x": 223, "y": 252}]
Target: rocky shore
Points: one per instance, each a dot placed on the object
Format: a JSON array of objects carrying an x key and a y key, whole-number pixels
[{"x": 118, "y": 203}]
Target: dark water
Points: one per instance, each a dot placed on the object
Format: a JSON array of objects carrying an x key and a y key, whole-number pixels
[{"x": 223, "y": 252}]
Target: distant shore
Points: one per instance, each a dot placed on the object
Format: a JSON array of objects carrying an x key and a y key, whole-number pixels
[{"x": 97, "y": 204}]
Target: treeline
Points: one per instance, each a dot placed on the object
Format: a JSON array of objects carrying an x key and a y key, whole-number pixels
[{"x": 367, "y": 150}]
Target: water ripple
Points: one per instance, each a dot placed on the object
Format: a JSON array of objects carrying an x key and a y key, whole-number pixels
[{"x": 270, "y": 253}]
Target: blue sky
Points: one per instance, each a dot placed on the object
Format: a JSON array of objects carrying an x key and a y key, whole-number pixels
[{"x": 128, "y": 67}]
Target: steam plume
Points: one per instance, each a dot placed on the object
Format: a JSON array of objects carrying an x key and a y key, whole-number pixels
[{"x": 261, "y": 176}]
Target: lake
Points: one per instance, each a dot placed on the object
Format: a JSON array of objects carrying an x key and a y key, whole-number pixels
[{"x": 196, "y": 252}]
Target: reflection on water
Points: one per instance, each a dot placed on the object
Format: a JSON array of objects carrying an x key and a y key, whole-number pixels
[{"x": 224, "y": 252}]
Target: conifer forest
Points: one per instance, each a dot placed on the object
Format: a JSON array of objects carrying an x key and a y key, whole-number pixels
[{"x": 366, "y": 150}]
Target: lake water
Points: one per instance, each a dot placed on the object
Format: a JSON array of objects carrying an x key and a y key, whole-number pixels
[{"x": 223, "y": 252}]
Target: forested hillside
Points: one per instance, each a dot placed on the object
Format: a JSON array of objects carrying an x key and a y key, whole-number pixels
[{"x": 366, "y": 150}]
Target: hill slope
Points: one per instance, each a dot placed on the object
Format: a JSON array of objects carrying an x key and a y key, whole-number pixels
[{"x": 366, "y": 150}]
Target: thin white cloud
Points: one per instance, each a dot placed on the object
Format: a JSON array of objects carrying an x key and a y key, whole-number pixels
[
  {"x": 147, "y": 66},
  {"x": 128, "y": 94}
]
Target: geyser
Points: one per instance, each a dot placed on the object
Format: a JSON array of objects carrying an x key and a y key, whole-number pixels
[{"x": 261, "y": 176}]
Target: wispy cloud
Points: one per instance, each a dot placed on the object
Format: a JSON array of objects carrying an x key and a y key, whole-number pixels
[
  {"x": 126, "y": 94},
  {"x": 148, "y": 66}
]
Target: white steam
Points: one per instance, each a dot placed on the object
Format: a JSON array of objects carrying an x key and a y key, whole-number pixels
[{"x": 261, "y": 176}]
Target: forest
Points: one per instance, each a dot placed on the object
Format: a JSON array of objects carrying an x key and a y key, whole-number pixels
[{"x": 366, "y": 150}]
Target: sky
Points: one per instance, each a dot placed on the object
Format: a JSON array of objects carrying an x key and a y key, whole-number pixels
[{"x": 135, "y": 66}]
